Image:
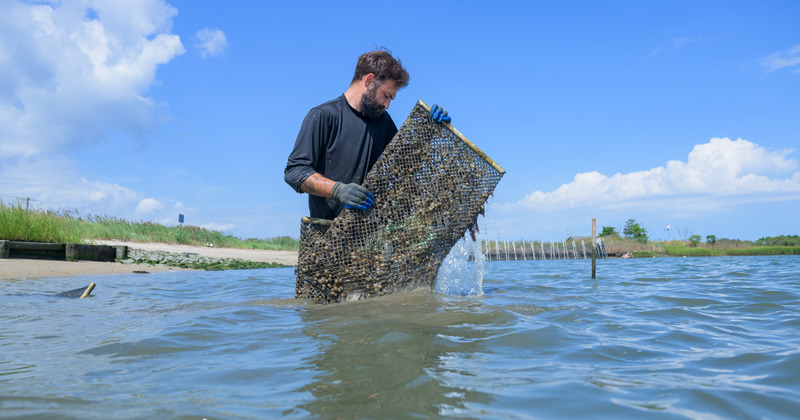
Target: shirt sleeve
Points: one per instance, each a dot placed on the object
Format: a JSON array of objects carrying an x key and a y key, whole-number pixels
[
  {"x": 307, "y": 157},
  {"x": 392, "y": 131}
]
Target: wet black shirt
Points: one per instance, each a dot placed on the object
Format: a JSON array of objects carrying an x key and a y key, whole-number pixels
[{"x": 341, "y": 144}]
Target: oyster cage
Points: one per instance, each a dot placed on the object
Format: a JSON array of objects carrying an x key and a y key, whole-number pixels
[{"x": 429, "y": 184}]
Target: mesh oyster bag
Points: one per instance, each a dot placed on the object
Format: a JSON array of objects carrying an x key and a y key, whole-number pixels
[{"x": 429, "y": 184}]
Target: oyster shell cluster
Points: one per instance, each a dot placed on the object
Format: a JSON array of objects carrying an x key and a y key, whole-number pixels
[{"x": 429, "y": 184}]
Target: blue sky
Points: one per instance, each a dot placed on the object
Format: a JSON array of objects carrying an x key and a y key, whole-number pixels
[{"x": 679, "y": 113}]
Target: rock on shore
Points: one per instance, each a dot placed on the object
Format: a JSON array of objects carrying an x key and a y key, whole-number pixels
[{"x": 191, "y": 260}]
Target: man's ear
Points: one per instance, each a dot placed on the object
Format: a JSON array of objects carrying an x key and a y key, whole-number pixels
[{"x": 367, "y": 80}]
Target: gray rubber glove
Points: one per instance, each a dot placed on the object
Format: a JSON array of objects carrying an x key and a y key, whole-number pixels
[{"x": 353, "y": 196}]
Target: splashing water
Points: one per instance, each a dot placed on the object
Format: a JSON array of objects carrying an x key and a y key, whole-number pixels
[{"x": 458, "y": 276}]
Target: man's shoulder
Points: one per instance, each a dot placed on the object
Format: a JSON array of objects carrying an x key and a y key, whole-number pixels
[{"x": 333, "y": 106}]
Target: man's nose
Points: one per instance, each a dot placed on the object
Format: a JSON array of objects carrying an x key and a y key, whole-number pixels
[{"x": 386, "y": 103}]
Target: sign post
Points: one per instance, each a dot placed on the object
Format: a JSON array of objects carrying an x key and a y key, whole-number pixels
[
  {"x": 594, "y": 248},
  {"x": 180, "y": 228}
]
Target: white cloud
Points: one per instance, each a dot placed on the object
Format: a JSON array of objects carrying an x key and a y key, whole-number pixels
[
  {"x": 72, "y": 72},
  {"x": 210, "y": 42},
  {"x": 54, "y": 183},
  {"x": 218, "y": 227},
  {"x": 680, "y": 42},
  {"x": 715, "y": 172},
  {"x": 781, "y": 59},
  {"x": 148, "y": 206}
]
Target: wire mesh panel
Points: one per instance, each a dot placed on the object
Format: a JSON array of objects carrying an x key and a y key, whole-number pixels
[{"x": 429, "y": 184}]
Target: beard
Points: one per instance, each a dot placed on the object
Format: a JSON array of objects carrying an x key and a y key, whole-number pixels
[{"x": 370, "y": 106}]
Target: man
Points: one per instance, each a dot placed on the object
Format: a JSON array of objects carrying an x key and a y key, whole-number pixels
[{"x": 340, "y": 140}]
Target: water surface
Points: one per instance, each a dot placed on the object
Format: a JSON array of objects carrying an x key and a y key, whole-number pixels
[{"x": 657, "y": 338}]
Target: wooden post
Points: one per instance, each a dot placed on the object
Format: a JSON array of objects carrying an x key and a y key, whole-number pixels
[
  {"x": 594, "y": 248},
  {"x": 122, "y": 252},
  {"x": 4, "y": 249},
  {"x": 71, "y": 252},
  {"x": 88, "y": 291}
]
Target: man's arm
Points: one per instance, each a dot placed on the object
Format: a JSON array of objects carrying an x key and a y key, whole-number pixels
[
  {"x": 305, "y": 159},
  {"x": 352, "y": 196},
  {"x": 318, "y": 185}
]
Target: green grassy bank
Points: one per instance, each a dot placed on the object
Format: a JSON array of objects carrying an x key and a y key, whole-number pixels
[
  {"x": 19, "y": 224},
  {"x": 683, "y": 251}
]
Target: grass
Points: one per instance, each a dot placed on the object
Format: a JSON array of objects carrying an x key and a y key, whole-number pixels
[
  {"x": 616, "y": 246},
  {"x": 766, "y": 250},
  {"x": 680, "y": 251},
  {"x": 19, "y": 224},
  {"x": 645, "y": 254},
  {"x": 683, "y": 251},
  {"x": 619, "y": 245}
]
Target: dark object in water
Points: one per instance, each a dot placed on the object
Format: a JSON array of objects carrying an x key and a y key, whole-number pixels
[
  {"x": 80, "y": 292},
  {"x": 429, "y": 184}
]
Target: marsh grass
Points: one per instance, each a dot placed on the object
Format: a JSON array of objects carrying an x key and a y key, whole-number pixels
[
  {"x": 684, "y": 251},
  {"x": 766, "y": 250},
  {"x": 645, "y": 254},
  {"x": 680, "y": 251},
  {"x": 616, "y": 246},
  {"x": 619, "y": 245},
  {"x": 19, "y": 224}
]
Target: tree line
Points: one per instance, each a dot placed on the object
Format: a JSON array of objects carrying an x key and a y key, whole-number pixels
[
  {"x": 632, "y": 230},
  {"x": 638, "y": 233}
]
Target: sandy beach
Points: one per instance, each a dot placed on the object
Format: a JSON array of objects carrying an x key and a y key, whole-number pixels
[{"x": 19, "y": 268}]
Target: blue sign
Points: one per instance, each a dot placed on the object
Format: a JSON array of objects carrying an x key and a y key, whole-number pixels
[{"x": 180, "y": 218}]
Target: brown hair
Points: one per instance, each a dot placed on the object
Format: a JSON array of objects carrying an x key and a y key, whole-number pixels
[{"x": 383, "y": 66}]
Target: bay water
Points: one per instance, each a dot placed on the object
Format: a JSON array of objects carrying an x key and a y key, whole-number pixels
[{"x": 666, "y": 338}]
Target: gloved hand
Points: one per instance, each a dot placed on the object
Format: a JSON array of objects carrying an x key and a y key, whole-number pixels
[
  {"x": 439, "y": 114},
  {"x": 353, "y": 196}
]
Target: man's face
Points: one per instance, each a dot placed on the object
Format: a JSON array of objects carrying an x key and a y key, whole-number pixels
[{"x": 377, "y": 98}]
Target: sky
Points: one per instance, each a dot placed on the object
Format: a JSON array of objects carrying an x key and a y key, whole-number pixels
[{"x": 683, "y": 114}]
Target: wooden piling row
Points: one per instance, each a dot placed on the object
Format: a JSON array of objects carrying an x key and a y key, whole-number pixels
[{"x": 56, "y": 251}]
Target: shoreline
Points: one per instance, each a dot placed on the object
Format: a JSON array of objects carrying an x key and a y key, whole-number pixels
[{"x": 23, "y": 268}]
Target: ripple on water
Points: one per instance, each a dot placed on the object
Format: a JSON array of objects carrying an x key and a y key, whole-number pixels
[{"x": 669, "y": 338}]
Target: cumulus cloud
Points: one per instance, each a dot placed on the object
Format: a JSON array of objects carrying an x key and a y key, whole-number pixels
[
  {"x": 148, "y": 206},
  {"x": 210, "y": 42},
  {"x": 71, "y": 72},
  {"x": 788, "y": 58},
  {"x": 720, "y": 168},
  {"x": 218, "y": 227},
  {"x": 54, "y": 183}
]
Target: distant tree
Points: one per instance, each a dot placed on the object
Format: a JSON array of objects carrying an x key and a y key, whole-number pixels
[
  {"x": 683, "y": 231},
  {"x": 695, "y": 239},
  {"x": 608, "y": 231},
  {"x": 634, "y": 231},
  {"x": 711, "y": 239},
  {"x": 783, "y": 240}
]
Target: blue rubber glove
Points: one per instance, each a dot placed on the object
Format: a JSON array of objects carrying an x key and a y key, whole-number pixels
[
  {"x": 439, "y": 114},
  {"x": 353, "y": 196}
]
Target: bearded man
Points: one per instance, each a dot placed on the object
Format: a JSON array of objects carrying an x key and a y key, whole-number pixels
[{"x": 340, "y": 140}]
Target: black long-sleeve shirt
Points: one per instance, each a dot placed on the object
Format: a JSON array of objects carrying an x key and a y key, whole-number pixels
[{"x": 340, "y": 143}]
